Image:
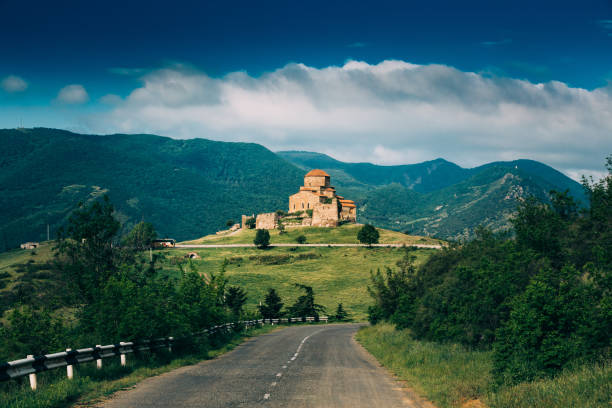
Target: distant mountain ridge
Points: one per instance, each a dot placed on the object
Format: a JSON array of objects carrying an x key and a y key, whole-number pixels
[
  {"x": 190, "y": 188},
  {"x": 438, "y": 197}
]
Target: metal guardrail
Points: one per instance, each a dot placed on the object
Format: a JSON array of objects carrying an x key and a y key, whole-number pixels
[{"x": 69, "y": 358}]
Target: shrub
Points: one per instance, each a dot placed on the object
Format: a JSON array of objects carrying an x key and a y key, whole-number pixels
[
  {"x": 301, "y": 239},
  {"x": 262, "y": 238},
  {"x": 368, "y": 234}
]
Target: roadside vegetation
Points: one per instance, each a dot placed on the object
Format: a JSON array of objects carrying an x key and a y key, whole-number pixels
[
  {"x": 538, "y": 303},
  {"x": 453, "y": 375},
  {"x": 91, "y": 385}
]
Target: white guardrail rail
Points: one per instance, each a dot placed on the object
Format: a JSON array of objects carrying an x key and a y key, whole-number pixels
[{"x": 69, "y": 358}]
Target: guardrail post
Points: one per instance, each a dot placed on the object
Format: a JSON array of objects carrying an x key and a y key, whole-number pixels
[
  {"x": 99, "y": 360},
  {"x": 33, "y": 384},
  {"x": 170, "y": 340},
  {"x": 122, "y": 354},
  {"x": 69, "y": 368}
]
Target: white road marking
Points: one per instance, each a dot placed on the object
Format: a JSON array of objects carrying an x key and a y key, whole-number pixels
[{"x": 278, "y": 375}]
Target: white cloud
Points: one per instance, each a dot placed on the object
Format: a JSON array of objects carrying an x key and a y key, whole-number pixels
[
  {"x": 111, "y": 99},
  {"x": 13, "y": 83},
  {"x": 72, "y": 94},
  {"x": 387, "y": 113}
]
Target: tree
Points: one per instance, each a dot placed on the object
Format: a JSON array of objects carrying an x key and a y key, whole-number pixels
[
  {"x": 235, "y": 299},
  {"x": 262, "y": 238},
  {"x": 88, "y": 256},
  {"x": 305, "y": 305},
  {"x": 368, "y": 234},
  {"x": 341, "y": 314},
  {"x": 229, "y": 223},
  {"x": 301, "y": 239},
  {"x": 140, "y": 237},
  {"x": 250, "y": 222},
  {"x": 271, "y": 309}
]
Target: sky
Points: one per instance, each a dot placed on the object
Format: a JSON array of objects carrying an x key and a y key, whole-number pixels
[{"x": 384, "y": 82}]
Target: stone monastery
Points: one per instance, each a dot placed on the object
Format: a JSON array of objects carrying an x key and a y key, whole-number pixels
[{"x": 315, "y": 205}]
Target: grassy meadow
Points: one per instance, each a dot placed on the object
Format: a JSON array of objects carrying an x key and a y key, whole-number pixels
[
  {"x": 337, "y": 275},
  {"x": 451, "y": 375},
  {"x": 345, "y": 234}
]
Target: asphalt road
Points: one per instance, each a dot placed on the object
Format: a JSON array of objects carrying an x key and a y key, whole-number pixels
[{"x": 300, "y": 366}]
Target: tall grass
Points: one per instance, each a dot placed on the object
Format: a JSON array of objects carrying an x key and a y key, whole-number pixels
[
  {"x": 90, "y": 384},
  {"x": 448, "y": 375},
  {"x": 451, "y": 375}
]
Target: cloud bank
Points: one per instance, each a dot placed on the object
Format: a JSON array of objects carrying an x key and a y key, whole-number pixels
[
  {"x": 388, "y": 113},
  {"x": 13, "y": 84},
  {"x": 73, "y": 94}
]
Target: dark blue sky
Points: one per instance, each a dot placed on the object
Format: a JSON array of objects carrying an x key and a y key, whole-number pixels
[
  {"x": 63, "y": 63},
  {"x": 79, "y": 41}
]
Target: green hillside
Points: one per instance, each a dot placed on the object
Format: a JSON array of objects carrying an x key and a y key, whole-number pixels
[
  {"x": 345, "y": 234},
  {"x": 439, "y": 198},
  {"x": 186, "y": 188},
  {"x": 190, "y": 188}
]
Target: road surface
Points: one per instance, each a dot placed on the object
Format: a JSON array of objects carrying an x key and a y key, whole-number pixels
[
  {"x": 432, "y": 246},
  {"x": 300, "y": 366}
]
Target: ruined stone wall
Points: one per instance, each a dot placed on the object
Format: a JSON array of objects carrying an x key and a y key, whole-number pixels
[
  {"x": 244, "y": 220},
  {"x": 266, "y": 221},
  {"x": 325, "y": 215}
]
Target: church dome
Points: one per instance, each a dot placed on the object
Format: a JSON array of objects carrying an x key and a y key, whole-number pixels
[{"x": 317, "y": 173}]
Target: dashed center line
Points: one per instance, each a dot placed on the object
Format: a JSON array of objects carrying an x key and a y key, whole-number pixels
[{"x": 297, "y": 353}]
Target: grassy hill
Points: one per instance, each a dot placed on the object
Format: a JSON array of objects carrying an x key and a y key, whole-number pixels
[
  {"x": 345, "y": 234},
  {"x": 337, "y": 275}
]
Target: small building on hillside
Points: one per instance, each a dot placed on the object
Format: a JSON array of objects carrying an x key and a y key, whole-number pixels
[
  {"x": 163, "y": 243},
  {"x": 29, "y": 245}
]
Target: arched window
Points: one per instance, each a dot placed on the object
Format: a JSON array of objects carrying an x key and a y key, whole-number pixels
[
  {"x": 302, "y": 205},
  {"x": 308, "y": 205}
]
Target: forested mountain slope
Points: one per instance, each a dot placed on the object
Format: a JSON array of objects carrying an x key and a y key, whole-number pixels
[
  {"x": 190, "y": 188},
  {"x": 438, "y": 197},
  {"x": 186, "y": 188}
]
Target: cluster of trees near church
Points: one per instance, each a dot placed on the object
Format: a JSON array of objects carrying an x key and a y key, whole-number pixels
[{"x": 539, "y": 297}]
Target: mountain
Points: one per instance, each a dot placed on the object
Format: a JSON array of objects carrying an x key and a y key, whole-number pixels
[
  {"x": 186, "y": 188},
  {"x": 437, "y": 197},
  {"x": 190, "y": 188}
]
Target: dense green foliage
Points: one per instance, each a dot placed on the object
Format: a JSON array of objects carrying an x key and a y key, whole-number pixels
[
  {"x": 454, "y": 376},
  {"x": 114, "y": 293},
  {"x": 186, "y": 188},
  {"x": 235, "y": 298},
  {"x": 262, "y": 238},
  {"x": 542, "y": 300},
  {"x": 305, "y": 304},
  {"x": 272, "y": 305},
  {"x": 439, "y": 198},
  {"x": 141, "y": 236},
  {"x": 368, "y": 234}
]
